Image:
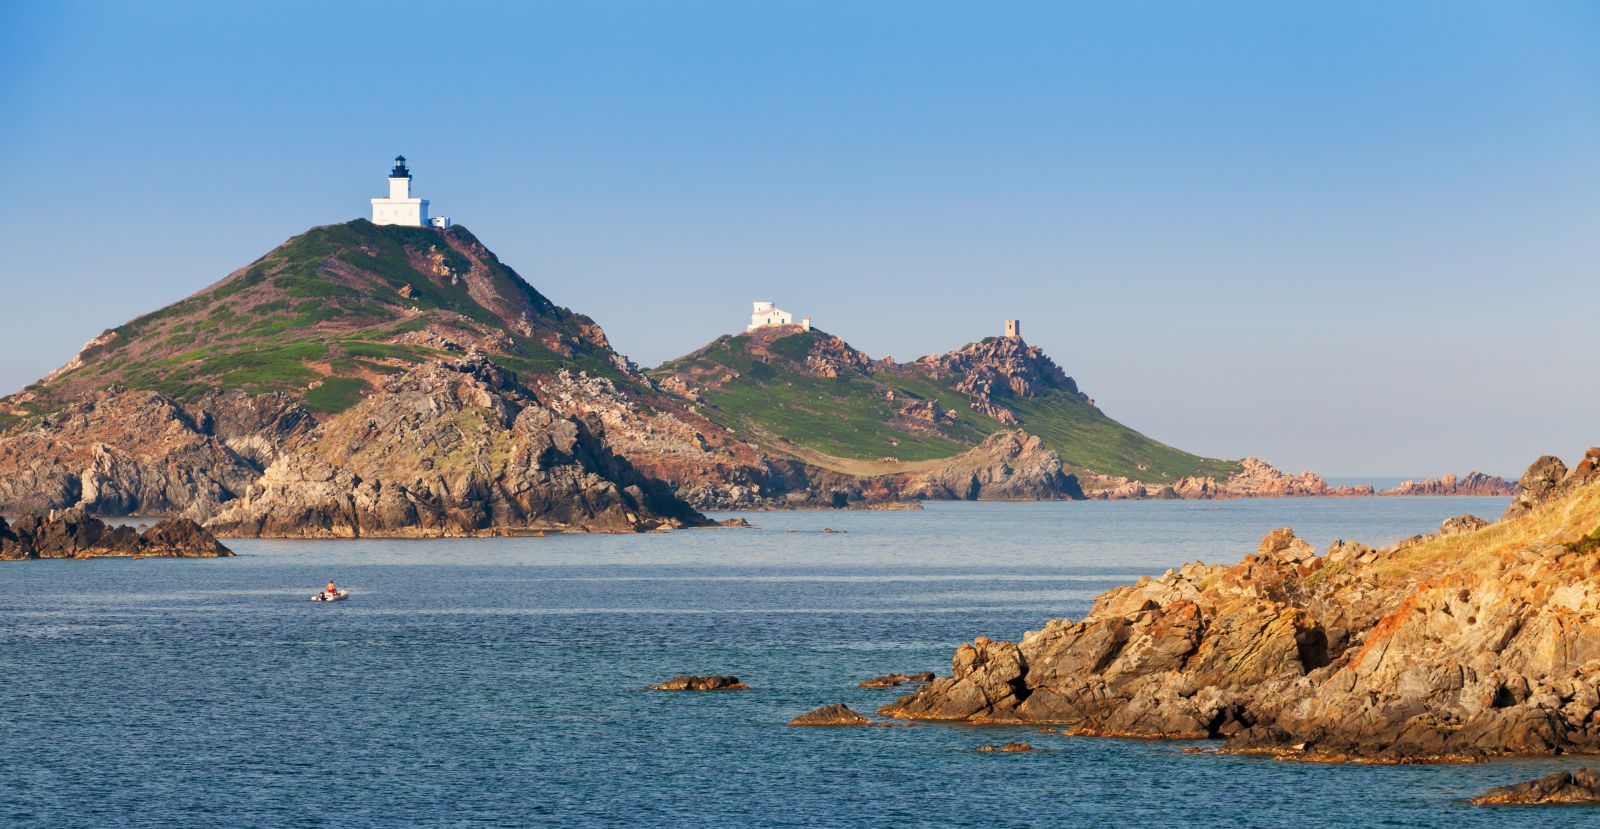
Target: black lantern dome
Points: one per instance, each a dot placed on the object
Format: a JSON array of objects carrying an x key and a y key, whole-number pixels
[{"x": 399, "y": 170}]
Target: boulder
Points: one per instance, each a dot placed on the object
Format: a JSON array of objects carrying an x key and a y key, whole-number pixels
[
  {"x": 836, "y": 714},
  {"x": 1539, "y": 484},
  {"x": 687, "y": 682},
  {"x": 1562, "y": 787},
  {"x": 1463, "y": 523}
]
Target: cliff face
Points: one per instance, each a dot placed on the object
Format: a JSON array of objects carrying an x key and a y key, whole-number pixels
[
  {"x": 122, "y": 451},
  {"x": 1477, "y": 642},
  {"x": 449, "y": 449}
]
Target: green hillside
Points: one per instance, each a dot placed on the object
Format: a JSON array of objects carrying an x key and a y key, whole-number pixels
[
  {"x": 330, "y": 312},
  {"x": 767, "y": 386}
]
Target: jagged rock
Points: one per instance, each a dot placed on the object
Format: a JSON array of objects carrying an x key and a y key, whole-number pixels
[
  {"x": 1562, "y": 787},
  {"x": 73, "y": 533},
  {"x": 687, "y": 682},
  {"x": 1540, "y": 483},
  {"x": 1463, "y": 523},
  {"x": 1008, "y": 748},
  {"x": 1007, "y": 466},
  {"x": 1255, "y": 478},
  {"x": 451, "y": 448},
  {"x": 1426, "y": 650},
  {"x": 896, "y": 680},
  {"x": 1473, "y": 483},
  {"x": 991, "y": 370},
  {"x": 120, "y": 452},
  {"x": 836, "y": 714}
]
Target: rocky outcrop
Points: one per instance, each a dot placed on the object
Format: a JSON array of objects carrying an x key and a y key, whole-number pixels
[
  {"x": 706, "y": 465},
  {"x": 1473, "y": 483},
  {"x": 1480, "y": 643},
  {"x": 836, "y": 714},
  {"x": 1255, "y": 478},
  {"x": 896, "y": 680},
  {"x": 1548, "y": 478},
  {"x": 1463, "y": 523},
  {"x": 1007, "y": 466},
  {"x": 126, "y": 452},
  {"x": 1008, "y": 748},
  {"x": 452, "y": 448},
  {"x": 1563, "y": 787},
  {"x": 989, "y": 371},
  {"x": 74, "y": 533},
  {"x": 686, "y": 682}
]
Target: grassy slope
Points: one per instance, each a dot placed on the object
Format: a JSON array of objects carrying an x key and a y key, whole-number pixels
[
  {"x": 322, "y": 318},
  {"x": 851, "y": 418}
]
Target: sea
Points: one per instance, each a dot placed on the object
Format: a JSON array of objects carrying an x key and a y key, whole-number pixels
[{"x": 503, "y": 682}]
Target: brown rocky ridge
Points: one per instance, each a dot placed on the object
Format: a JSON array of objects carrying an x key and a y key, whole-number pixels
[
  {"x": 76, "y": 534},
  {"x": 451, "y": 448},
  {"x": 686, "y": 682},
  {"x": 835, "y": 714},
  {"x": 1455, "y": 647},
  {"x": 1473, "y": 483},
  {"x": 1566, "y": 788}
]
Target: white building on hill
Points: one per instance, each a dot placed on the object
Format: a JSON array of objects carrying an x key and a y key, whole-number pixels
[
  {"x": 400, "y": 208},
  {"x": 766, "y": 313}
]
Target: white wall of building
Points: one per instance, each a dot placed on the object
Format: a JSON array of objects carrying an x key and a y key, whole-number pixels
[
  {"x": 765, "y": 313},
  {"x": 400, "y": 208}
]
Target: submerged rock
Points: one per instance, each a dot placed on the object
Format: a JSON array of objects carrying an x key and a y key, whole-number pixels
[
  {"x": 687, "y": 682},
  {"x": 836, "y": 714},
  {"x": 1562, "y": 787},
  {"x": 1007, "y": 748}
]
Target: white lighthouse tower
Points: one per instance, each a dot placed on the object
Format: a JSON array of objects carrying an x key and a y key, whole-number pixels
[{"x": 400, "y": 208}]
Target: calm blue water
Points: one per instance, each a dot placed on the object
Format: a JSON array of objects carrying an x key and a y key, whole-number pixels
[{"x": 500, "y": 682}]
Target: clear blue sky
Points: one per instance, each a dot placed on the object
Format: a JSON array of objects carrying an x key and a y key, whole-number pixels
[{"x": 1357, "y": 237}]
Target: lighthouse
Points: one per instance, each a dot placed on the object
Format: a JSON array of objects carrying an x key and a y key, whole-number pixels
[{"x": 400, "y": 208}]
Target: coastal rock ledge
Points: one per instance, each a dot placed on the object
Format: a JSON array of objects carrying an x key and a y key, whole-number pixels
[
  {"x": 686, "y": 682},
  {"x": 76, "y": 534},
  {"x": 1476, "y": 642},
  {"x": 1563, "y": 787}
]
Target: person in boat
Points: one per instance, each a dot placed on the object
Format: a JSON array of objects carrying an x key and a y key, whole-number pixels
[{"x": 331, "y": 590}]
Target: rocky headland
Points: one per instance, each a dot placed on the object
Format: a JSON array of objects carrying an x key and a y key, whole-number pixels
[
  {"x": 451, "y": 448},
  {"x": 76, "y": 534},
  {"x": 1478, "y": 642}
]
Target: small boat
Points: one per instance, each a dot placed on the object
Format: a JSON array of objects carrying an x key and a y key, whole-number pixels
[{"x": 325, "y": 596}]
